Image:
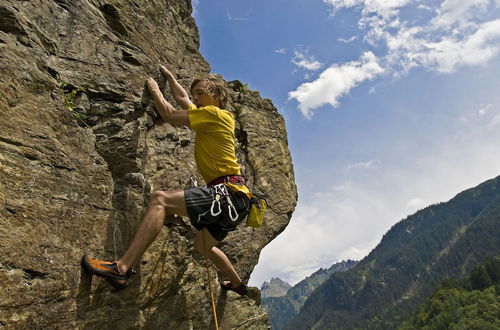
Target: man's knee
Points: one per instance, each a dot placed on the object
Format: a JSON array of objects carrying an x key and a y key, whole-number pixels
[{"x": 172, "y": 201}]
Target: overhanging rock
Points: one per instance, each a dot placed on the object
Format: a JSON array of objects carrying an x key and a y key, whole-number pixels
[{"x": 79, "y": 156}]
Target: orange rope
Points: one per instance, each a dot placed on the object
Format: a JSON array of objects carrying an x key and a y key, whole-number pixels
[{"x": 210, "y": 282}]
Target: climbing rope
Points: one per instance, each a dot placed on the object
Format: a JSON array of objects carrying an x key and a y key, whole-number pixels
[{"x": 210, "y": 282}]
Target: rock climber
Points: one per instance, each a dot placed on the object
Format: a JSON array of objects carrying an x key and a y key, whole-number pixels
[{"x": 215, "y": 209}]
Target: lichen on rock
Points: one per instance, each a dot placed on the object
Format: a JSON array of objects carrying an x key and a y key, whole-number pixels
[{"x": 76, "y": 171}]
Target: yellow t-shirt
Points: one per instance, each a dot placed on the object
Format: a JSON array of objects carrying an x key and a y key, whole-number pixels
[{"x": 214, "y": 150}]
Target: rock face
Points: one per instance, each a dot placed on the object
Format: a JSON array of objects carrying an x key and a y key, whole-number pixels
[{"x": 81, "y": 149}]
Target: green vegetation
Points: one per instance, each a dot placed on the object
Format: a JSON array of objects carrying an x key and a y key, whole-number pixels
[
  {"x": 243, "y": 89},
  {"x": 472, "y": 303},
  {"x": 69, "y": 94},
  {"x": 446, "y": 240}
]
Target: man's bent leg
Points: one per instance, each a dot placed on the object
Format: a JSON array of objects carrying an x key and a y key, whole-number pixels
[
  {"x": 205, "y": 244},
  {"x": 161, "y": 203},
  {"x": 116, "y": 273}
]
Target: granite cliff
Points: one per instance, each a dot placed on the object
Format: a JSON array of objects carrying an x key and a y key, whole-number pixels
[{"x": 81, "y": 149}]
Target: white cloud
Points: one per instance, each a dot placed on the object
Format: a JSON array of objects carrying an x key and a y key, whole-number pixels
[
  {"x": 305, "y": 61},
  {"x": 236, "y": 18},
  {"x": 342, "y": 187},
  {"x": 339, "y": 4},
  {"x": 494, "y": 121},
  {"x": 492, "y": 115},
  {"x": 480, "y": 120},
  {"x": 416, "y": 204},
  {"x": 372, "y": 164},
  {"x": 485, "y": 115},
  {"x": 245, "y": 17},
  {"x": 195, "y": 4},
  {"x": 424, "y": 7},
  {"x": 449, "y": 53},
  {"x": 484, "y": 109},
  {"x": 458, "y": 11},
  {"x": 335, "y": 82},
  {"x": 383, "y": 8},
  {"x": 431, "y": 44},
  {"x": 280, "y": 51},
  {"x": 458, "y": 35},
  {"x": 346, "y": 41}
]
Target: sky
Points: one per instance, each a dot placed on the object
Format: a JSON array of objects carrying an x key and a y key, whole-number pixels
[{"x": 390, "y": 106}]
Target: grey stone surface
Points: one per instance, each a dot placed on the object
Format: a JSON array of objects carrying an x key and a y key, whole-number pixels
[{"x": 81, "y": 149}]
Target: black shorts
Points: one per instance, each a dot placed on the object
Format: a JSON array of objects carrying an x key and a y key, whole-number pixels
[{"x": 218, "y": 216}]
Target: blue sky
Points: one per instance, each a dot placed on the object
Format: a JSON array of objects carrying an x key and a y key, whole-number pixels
[{"x": 390, "y": 106}]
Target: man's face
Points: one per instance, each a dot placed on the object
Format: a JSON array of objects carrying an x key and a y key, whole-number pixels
[{"x": 200, "y": 96}]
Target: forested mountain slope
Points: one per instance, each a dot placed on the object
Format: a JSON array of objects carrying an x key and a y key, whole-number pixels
[
  {"x": 470, "y": 303},
  {"x": 440, "y": 241}
]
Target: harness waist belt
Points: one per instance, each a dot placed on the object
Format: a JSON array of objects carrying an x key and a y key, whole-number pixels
[{"x": 236, "y": 179}]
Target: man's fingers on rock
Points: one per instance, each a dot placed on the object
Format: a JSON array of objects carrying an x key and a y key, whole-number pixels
[
  {"x": 152, "y": 83},
  {"x": 165, "y": 71}
]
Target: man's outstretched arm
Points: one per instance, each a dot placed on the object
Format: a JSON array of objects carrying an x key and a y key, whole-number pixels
[
  {"x": 178, "y": 92},
  {"x": 167, "y": 112}
]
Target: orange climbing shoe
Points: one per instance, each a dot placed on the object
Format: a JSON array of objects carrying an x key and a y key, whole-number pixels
[
  {"x": 107, "y": 270},
  {"x": 242, "y": 289}
]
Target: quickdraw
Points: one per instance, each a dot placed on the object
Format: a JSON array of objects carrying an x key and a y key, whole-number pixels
[{"x": 216, "y": 208}]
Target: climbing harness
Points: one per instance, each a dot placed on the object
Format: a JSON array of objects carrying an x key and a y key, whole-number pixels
[
  {"x": 209, "y": 279},
  {"x": 235, "y": 179}
]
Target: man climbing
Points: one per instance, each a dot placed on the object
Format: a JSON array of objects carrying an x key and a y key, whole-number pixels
[{"x": 215, "y": 209}]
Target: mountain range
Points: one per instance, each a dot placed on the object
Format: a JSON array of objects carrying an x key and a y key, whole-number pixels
[
  {"x": 442, "y": 241},
  {"x": 283, "y": 307}
]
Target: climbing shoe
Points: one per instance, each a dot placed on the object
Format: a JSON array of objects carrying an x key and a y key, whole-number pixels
[
  {"x": 107, "y": 270},
  {"x": 242, "y": 289}
]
